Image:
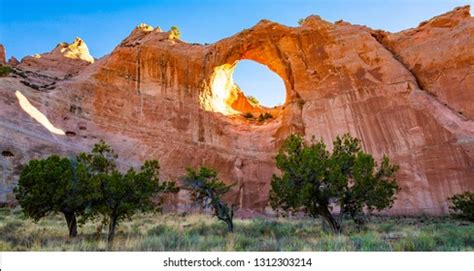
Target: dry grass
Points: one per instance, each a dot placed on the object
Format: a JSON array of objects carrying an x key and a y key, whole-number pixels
[{"x": 171, "y": 232}]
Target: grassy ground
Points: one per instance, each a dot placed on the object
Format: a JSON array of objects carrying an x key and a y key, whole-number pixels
[{"x": 204, "y": 233}]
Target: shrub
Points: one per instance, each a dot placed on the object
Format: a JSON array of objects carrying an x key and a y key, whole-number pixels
[
  {"x": 206, "y": 189},
  {"x": 264, "y": 117},
  {"x": 175, "y": 33},
  {"x": 5, "y": 70},
  {"x": 463, "y": 206},
  {"x": 253, "y": 100},
  {"x": 248, "y": 115},
  {"x": 315, "y": 180}
]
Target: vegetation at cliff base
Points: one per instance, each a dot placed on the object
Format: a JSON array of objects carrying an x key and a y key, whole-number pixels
[
  {"x": 89, "y": 186},
  {"x": 49, "y": 186},
  {"x": 118, "y": 196},
  {"x": 315, "y": 181},
  {"x": 207, "y": 190},
  {"x": 463, "y": 206},
  {"x": 199, "y": 232},
  {"x": 102, "y": 207}
]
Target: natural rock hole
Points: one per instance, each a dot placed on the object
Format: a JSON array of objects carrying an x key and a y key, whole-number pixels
[
  {"x": 244, "y": 88},
  {"x": 258, "y": 81},
  {"x": 7, "y": 153},
  {"x": 70, "y": 133}
]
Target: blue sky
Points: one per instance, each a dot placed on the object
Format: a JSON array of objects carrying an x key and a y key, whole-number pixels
[{"x": 30, "y": 27}]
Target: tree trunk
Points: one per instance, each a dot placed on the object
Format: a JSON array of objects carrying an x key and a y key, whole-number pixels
[
  {"x": 230, "y": 226},
  {"x": 358, "y": 220},
  {"x": 98, "y": 231},
  {"x": 71, "y": 223},
  {"x": 335, "y": 226},
  {"x": 112, "y": 226}
]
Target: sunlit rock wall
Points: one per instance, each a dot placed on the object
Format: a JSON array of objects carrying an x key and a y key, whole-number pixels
[{"x": 153, "y": 98}]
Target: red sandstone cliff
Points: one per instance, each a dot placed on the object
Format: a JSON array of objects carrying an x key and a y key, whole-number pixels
[
  {"x": 2, "y": 55},
  {"x": 408, "y": 95}
]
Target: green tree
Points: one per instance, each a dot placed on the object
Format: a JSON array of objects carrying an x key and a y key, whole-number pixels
[
  {"x": 118, "y": 196},
  {"x": 48, "y": 186},
  {"x": 463, "y": 206},
  {"x": 315, "y": 181},
  {"x": 206, "y": 189},
  {"x": 100, "y": 160}
]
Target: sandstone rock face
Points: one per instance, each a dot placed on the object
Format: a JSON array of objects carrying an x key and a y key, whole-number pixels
[
  {"x": 157, "y": 97},
  {"x": 439, "y": 54},
  {"x": 2, "y": 54},
  {"x": 64, "y": 60},
  {"x": 13, "y": 61}
]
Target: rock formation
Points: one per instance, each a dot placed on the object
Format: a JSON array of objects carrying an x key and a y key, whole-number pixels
[
  {"x": 155, "y": 96},
  {"x": 2, "y": 55},
  {"x": 13, "y": 62},
  {"x": 64, "y": 60}
]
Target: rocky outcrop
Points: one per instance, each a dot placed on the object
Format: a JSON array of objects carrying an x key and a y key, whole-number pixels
[
  {"x": 13, "y": 61},
  {"x": 2, "y": 55},
  {"x": 439, "y": 54},
  {"x": 157, "y": 97},
  {"x": 65, "y": 60}
]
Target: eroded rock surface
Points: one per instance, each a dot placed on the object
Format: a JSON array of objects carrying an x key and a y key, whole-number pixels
[
  {"x": 439, "y": 54},
  {"x": 150, "y": 98},
  {"x": 2, "y": 54},
  {"x": 65, "y": 60}
]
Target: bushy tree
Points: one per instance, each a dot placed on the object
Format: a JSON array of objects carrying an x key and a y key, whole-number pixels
[
  {"x": 206, "y": 190},
  {"x": 100, "y": 160},
  {"x": 89, "y": 186},
  {"x": 463, "y": 206},
  {"x": 118, "y": 196},
  {"x": 48, "y": 186},
  {"x": 315, "y": 180}
]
